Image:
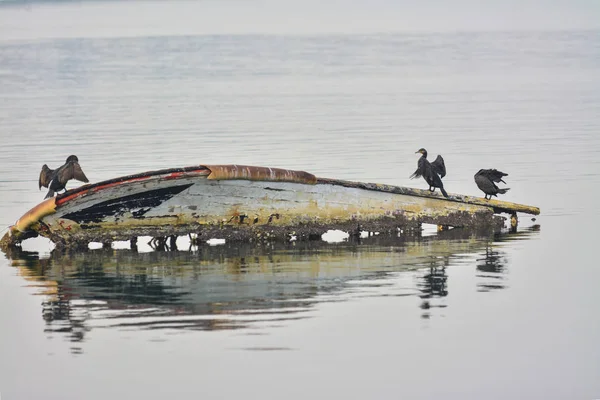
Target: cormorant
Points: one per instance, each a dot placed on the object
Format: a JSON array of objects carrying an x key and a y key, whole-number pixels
[
  {"x": 431, "y": 172},
  {"x": 485, "y": 178},
  {"x": 56, "y": 179}
]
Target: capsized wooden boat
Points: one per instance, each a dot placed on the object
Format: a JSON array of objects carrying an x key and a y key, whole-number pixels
[{"x": 239, "y": 202}]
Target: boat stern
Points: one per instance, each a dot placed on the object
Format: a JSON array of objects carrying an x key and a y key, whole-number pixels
[{"x": 28, "y": 225}]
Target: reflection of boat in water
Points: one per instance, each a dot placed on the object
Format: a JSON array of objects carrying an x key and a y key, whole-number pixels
[{"x": 230, "y": 286}]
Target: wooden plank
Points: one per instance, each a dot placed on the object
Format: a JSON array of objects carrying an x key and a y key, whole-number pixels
[{"x": 499, "y": 206}]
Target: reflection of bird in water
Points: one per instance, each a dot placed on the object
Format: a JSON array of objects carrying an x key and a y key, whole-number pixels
[
  {"x": 485, "y": 178},
  {"x": 492, "y": 263},
  {"x": 434, "y": 283},
  {"x": 431, "y": 172},
  {"x": 56, "y": 309},
  {"x": 56, "y": 179},
  {"x": 60, "y": 316},
  {"x": 492, "y": 269}
]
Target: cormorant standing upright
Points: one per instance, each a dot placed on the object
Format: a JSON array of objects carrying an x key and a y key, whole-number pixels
[{"x": 431, "y": 172}]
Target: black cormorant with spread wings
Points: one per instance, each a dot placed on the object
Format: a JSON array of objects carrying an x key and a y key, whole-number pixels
[
  {"x": 431, "y": 172},
  {"x": 56, "y": 179}
]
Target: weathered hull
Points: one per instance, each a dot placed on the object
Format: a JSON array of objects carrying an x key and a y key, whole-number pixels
[{"x": 235, "y": 202}]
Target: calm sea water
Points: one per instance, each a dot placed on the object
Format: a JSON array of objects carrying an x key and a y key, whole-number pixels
[{"x": 444, "y": 315}]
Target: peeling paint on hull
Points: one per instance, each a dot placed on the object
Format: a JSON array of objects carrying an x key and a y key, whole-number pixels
[{"x": 245, "y": 203}]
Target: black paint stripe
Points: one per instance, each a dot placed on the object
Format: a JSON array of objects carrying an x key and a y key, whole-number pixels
[
  {"x": 141, "y": 202},
  {"x": 129, "y": 177}
]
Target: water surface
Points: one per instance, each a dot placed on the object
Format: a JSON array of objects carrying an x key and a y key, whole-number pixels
[{"x": 453, "y": 314}]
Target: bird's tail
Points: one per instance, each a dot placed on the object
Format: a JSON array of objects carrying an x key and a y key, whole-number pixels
[
  {"x": 502, "y": 191},
  {"x": 49, "y": 194},
  {"x": 444, "y": 192}
]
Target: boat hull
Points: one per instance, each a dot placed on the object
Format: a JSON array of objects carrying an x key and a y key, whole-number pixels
[{"x": 243, "y": 203}]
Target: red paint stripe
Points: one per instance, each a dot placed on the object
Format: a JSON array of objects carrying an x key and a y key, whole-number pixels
[
  {"x": 174, "y": 175},
  {"x": 97, "y": 188}
]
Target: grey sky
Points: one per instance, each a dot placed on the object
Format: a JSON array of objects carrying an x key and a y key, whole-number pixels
[{"x": 132, "y": 18}]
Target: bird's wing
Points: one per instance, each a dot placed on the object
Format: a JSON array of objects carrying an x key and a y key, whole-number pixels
[
  {"x": 496, "y": 175},
  {"x": 45, "y": 176},
  {"x": 438, "y": 166},
  {"x": 434, "y": 176},
  {"x": 416, "y": 174},
  {"x": 421, "y": 167},
  {"x": 483, "y": 181},
  {"x": 72, "y": 171}
]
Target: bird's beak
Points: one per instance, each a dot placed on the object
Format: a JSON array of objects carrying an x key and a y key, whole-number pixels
[{"x": 417, "y": 152}]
